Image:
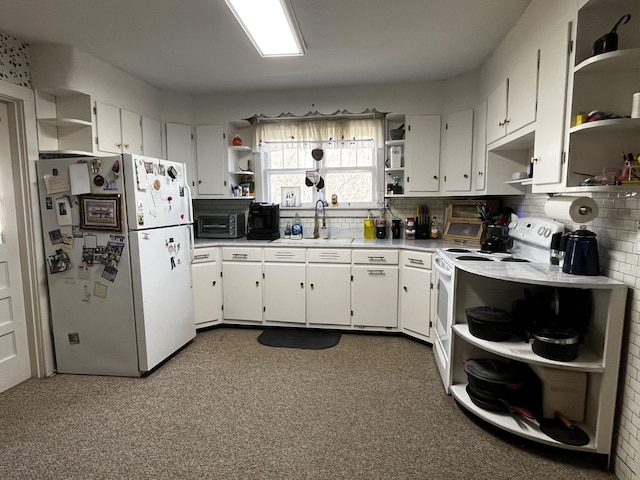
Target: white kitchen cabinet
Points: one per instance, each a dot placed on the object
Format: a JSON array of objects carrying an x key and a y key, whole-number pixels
[
  {"x": 64, "y": 122},
  {"x": 242, "y": 284},
  {"x": 599, "y": 350},
  {"x": 210, "y": 158},
  {"x": 374, "y": 288},
  {"x": 151, "y": 138},
  {"x": 179, "y": 148},
  {"x": 207, "y": 287},
  {"x": 512, "y": 104},
  {"x": 329, "y": 287},
  {"x": 552, "y": 100},
  {"x": 119, "y": 130},
  {"x": 457, "y": 152},
  {"x": 416, "y": 294},
  {"x": 284, "y": 285},
  {"x": 422, "y": 154}
]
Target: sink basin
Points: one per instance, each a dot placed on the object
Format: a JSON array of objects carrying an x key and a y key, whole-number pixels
[{"x": 314, "y": 241}]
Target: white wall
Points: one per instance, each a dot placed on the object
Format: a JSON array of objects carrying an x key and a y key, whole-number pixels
[{"x": 424, "y": 97}]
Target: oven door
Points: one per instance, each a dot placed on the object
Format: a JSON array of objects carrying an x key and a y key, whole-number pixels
[
  {"x": 444, "y": 280},
  {"x": 215, "y": 226}
]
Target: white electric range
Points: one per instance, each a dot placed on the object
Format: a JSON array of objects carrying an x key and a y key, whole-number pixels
[{"x": 530, "y": 239}]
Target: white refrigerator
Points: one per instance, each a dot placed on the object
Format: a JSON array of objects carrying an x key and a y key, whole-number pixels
[{"x": 118, "y": 238}]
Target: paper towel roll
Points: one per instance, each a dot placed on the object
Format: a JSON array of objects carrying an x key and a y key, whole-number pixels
[{"x": 571, "y": 209}]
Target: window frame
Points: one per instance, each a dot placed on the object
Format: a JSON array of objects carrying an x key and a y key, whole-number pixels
[{"x": 374, "y": 169}]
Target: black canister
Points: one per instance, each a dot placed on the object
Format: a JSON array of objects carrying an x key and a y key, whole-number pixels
[{"x": 396, "y": 228}]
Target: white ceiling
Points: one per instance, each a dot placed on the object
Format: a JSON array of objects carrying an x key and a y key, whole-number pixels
[{"x": 196, "y": 46}]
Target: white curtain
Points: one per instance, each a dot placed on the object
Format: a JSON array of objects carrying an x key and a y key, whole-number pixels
[{"x": 321, "y": 130}]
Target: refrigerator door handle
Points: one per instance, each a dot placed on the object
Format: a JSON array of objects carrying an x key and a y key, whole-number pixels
[{"x": 190, "y": 202}]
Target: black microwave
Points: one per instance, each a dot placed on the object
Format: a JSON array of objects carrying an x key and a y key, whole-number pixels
[{"x": 220, "y": 225}]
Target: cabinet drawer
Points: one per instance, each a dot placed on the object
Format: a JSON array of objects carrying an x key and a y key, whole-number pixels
[
  {"x": 417, "y": 259},
  {"x": 242, "y": 254},
  {"x": 320, "y": 255},
  {"x": 376, "y": 257},
  {"x": 208, "y": 254},
  {"x": 284, "y": 255}
]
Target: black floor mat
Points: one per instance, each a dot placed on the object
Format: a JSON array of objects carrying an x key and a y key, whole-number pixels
[{"x": 299, "y": 338}]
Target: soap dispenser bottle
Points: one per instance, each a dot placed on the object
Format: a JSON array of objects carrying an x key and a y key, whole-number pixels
[{"x": 296, "y": 228}]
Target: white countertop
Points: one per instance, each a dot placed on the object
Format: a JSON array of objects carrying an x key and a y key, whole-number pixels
[
  {"x": 422, "y": 245},
  {"x": 536, "y": 273}
]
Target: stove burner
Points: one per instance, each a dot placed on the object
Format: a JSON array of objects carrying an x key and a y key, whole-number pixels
[
  {"x": 474, "y": 258},
  {"x": 458, "y": 250},
  {"x": 511, "y": 259}
]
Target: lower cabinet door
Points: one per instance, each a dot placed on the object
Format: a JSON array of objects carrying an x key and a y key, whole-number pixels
[
  {"x": 328, "y": 294},
  {"x": 242, "y": 291},
  {"x": 374, "y": 296},
  {"x": 284, "y": 292},
  {"x": 415, "y": 300},
  {"x": 207, "y": 293}
]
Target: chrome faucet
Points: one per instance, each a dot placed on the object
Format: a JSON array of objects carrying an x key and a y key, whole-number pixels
[{"x": 323, "y": 204}]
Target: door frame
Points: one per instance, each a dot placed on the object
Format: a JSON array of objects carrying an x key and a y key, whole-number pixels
[{"x": 20, "y": 103}]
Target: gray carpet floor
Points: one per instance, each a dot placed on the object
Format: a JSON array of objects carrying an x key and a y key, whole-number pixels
[{"x": 227, "y": 407}]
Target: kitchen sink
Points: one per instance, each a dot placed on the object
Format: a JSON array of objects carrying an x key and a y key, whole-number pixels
[{"x": 313, "y": 241}]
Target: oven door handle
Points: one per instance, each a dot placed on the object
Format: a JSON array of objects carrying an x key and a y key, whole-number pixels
[{"x": 442, "y": 268}]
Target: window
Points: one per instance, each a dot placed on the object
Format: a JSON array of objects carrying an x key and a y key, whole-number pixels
[{"x": 348, "y": 167}]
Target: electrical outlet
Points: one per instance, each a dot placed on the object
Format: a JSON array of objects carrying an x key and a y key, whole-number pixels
[{"x": 74, "y": 338}]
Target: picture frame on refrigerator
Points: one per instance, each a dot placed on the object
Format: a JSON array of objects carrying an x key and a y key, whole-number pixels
[{"x": 101, "y": 212}]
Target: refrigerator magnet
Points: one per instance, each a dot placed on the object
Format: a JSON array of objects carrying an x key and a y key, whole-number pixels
[
  {"x": 63, "y": 211},
  {"x": 55, "y": 236},
  {"x": 49, "y": 203},
  {"x": 109, "y": 273},
  {"x": 86, "y": 295},
  {"x": 83, "y": 272},
  {"x": 100, "y": 290}
]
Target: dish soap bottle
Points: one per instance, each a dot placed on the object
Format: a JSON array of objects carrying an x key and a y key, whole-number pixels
[
  {"x": 287, "y": 230},
  {"x": 296, "y": 228},
  {"x": 369, "y": 227}
]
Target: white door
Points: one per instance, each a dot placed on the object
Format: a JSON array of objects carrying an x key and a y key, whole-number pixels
[
  {"x": 284, "y": 292},
  {"x": 374, "y": 296},
  {"x": 131, "y": 129},
  {"x": 14, "y": 349},
  {"x": 212, "y": 171},
  {"x": 415, "y": 300},
  {"x": 329, "y": 294},
  {"x": 242, "y": 291},
  {"x": 458, "y": 150},
  {"x": 108, "y": 128}
]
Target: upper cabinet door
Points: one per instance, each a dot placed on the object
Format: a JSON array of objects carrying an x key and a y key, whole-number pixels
[
  {"x": 151, "y": 138},
  {"x": 422, "y": 153},
  {"x": 497, "y": 112},
  {"x": 210, "y": 153},
  {"x": 458, "y": 151},
  {"x": 552, "y": 98},
  {"x": 179, "y": 147},
  {"x": 523, "y": 92},
  {"x": 131, "y": 128},
  {"x": 108, "y": 128}
]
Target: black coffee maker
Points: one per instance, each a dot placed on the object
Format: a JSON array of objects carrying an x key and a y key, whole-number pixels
[{"x": 264, "y": 221}]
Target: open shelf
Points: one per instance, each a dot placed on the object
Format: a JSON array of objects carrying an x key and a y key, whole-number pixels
[
  {"x": 520, "y": 426},
  {"x": 624, "y": 61},
  {"x": 587, "y": 361}
]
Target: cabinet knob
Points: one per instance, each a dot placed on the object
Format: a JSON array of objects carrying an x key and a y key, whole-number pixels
[
  {"x": 301, "y": 285},
  {"x": 435, "y": 177},
  {"x": 311, "y": 285},
  {"x": 213, "y": 283},
  {"x": 480, "y": 173},
  {"x": 404, "y": 288},
  {"x": 126, "y": 145},
  {"x": 119, "y": 145},
  {"x": 506, "y": 121},
  {"x": 466, "y": 175},
  {"x": 257, "y": 284}
]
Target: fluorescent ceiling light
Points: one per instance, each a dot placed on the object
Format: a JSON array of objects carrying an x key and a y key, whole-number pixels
[{"x": 270, "y": 25}]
